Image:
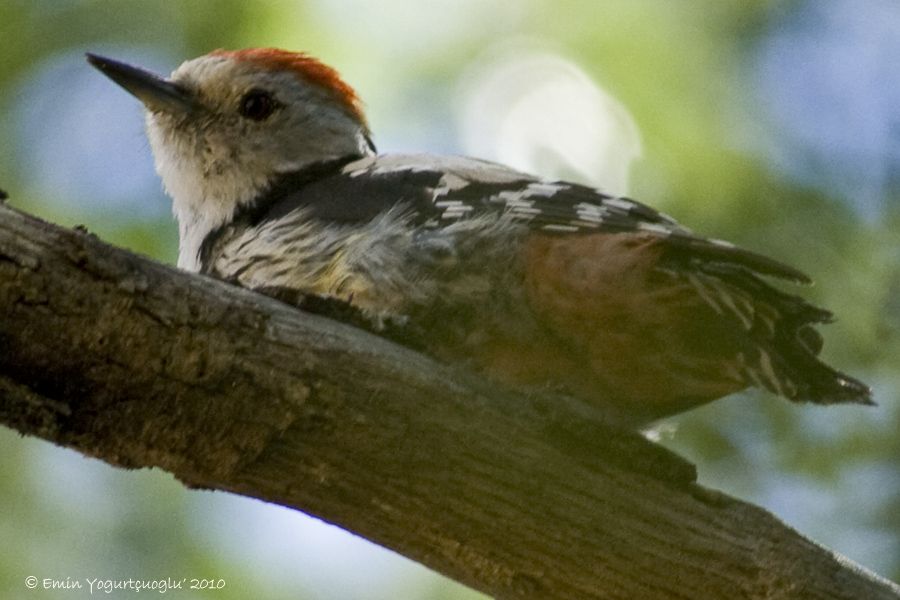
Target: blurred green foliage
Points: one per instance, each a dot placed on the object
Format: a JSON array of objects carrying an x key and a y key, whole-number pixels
[{"x": 685, "y": 72}]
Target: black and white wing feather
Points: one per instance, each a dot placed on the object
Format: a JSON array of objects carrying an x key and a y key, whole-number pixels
[{"x": 439, "y": 190}]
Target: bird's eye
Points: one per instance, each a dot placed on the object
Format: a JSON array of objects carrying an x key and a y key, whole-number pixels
[{"x": 257, "y": 105}]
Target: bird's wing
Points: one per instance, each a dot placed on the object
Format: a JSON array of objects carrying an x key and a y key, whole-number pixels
[
  {"x": 443, "y": 189},
  {"x": 440, "y": 190}
]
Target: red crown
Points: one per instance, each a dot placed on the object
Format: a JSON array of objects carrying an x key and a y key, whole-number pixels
[{"x": 305, "y": 66}]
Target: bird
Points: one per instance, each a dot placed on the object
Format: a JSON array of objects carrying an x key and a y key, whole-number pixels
[{"x": 534, "y": 283}]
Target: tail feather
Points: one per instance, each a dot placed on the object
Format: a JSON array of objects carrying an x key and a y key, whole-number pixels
[{"x": 781, "y": 344}]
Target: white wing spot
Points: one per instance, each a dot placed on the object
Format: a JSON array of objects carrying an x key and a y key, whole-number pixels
[
  {"x": 359, "y": 167},
  {"x": 450, "y": 182},
  {"x": 591, "y": 213},
  {"x": 515, "y": 198},
  {"x": 591, "y": 208},
  {"x": 619, "y": 203},
  {"x": 547, "y": 190},
  {"x": 566, "y": 228},
  {"x": 655, "y": 228},
  {"x": 524, "y": 210},
  {"x": 457, "y": 211}
]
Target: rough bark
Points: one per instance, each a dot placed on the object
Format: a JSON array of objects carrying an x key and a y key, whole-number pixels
[{"x": 141, "y": 365}]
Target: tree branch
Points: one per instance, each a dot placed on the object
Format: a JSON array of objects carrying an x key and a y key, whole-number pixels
[{"x": 141, "y": 365}]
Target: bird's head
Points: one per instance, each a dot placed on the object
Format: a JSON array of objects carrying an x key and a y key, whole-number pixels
[{"x": 224, "y": 126}]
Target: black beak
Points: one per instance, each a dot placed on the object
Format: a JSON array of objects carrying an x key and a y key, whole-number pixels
[{"x": 157, "y": 93}]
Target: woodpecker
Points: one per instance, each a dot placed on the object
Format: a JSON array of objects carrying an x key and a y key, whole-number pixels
[{"x": 277, "y": 186}]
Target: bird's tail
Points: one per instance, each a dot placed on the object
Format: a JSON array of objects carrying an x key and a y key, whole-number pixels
[{"x": 782, "y": 347}]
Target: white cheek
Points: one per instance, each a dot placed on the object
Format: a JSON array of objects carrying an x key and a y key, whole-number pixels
[
  {"x": 175, "y": 165},
  {"x": 206, "y": 187}
]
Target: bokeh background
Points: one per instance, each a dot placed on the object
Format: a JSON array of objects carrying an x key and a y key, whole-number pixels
[{"x": 772, "y": 123}]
